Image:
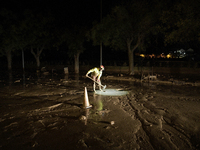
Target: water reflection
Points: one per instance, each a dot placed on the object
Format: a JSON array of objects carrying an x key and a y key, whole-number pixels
[
  {"x": 149, "y": 85},
  {"x": 98, "y": 104},
  {"x": 76, "y": 79},
  {"x": 94, "y": 113},
  {"x": 24, "y": 79},
  {"x": 66, "y": 77},
  {"x": 97, "y": 112},
  {"x": 87, "y": 112},
  {"x": 10, "y": 80},
  {"x": 38, "y": 79}
]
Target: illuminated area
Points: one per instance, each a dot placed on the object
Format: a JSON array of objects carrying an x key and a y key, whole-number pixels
[
  {"x": 169, "y": 56},
  {"x": 112, "y": 92},
  {"x": 142, "y": 55}
]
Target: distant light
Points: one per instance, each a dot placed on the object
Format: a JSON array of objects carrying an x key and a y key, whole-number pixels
[
  {"x": 142, "y": 55},
  {"x": 169, "y": 56}
]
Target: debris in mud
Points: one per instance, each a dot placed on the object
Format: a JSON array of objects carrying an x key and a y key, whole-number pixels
[
  {"x": 112, "y": 122},
  {"x": 177, "y": 82},
  {"x": 54, "y": 106},
  {"x": 17, "y": 81},
  {"x": 82, "y": 118},
  {"x": 82, "y": 142},
  {"x": 149, "y": 77},
  {"x": 44, "y": 109},
  {"x": 35, "y": 144},
  {"x": 107, "y": 127},
  {"x": 163, "y": 117}
]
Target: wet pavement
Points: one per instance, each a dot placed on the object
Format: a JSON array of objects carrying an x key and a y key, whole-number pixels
[{"x": 45, "y": 111}]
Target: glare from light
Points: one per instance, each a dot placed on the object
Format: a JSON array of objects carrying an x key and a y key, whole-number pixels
[
  {"x": 169, "y": 56},
  {"x": 112, "y": 92},
  {"x": 142, "y": 55}
]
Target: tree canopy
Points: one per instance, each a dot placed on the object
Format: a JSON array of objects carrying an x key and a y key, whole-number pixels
[
  {"x": 126, "y": 27},
  {"x": 181, "y": 22},
  {"x": 130, "y": 25},
  {"x": 7, "y": 34}
]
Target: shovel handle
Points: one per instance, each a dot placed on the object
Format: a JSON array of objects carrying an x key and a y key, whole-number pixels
[{"x": 97, "y": 82}]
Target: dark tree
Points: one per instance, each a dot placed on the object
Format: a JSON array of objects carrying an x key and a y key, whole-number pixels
[
  {"x": 126, "y": 27},
  {"x": 74, "y": 38},
  {"x": 40, "y": 33},
  {"x": 8, "y": 41},
  {"x": 181, "y": 22}
]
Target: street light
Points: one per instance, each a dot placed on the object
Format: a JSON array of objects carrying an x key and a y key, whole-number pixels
[{"x": 100, "y": 41}]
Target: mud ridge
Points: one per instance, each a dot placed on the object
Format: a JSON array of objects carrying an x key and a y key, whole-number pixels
[{"x": 137, "y": 116}]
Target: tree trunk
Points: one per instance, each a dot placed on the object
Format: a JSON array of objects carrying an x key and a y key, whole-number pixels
[
  {"x": 131, "y": 61},
  {"x": 22, "y": 59},
  {"x": 37, "y": 55},
  {"x": 76, "y": 60},
  {"x": 38, "y": 61},
  {"x": 9, "y": 59},
  {"x": 130, "y": 58},
  {"x": 130, "y": 54}
]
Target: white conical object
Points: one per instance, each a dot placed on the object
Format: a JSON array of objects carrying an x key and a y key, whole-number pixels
[{"x": 86, "y": 103}]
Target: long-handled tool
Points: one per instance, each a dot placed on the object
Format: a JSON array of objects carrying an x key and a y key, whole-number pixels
[{"x": 97, "y": 83}]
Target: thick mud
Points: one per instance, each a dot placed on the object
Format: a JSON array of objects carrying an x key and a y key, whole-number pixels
[{"x": 46, "y": 113}]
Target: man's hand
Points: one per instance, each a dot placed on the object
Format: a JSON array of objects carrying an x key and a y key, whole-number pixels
[{"x": 99, "y": 81}]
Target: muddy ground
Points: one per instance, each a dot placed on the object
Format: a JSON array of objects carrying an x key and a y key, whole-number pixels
[{"x": 45, "y": 112}]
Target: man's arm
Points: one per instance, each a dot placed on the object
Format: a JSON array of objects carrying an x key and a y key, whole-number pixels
[
  {"x": 91, "y": 70},
  {"x": 99, "y": 76}
]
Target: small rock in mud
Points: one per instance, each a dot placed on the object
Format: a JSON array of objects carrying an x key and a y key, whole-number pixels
[
  {"x": 82, "y": 117},
  {"x": 112, "y": 122}
]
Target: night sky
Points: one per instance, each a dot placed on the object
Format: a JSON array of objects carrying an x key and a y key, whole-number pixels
[
  {"x": 69, "y": 13},
  {"x": 77, "y": 11}
]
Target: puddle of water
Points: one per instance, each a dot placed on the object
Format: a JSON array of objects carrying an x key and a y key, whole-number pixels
[
  {"x": 22, "y": 78},
  {"x": 112, "y": 92}
]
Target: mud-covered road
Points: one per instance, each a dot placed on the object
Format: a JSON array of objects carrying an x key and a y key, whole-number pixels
[{"x": 47, "y": 113}]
